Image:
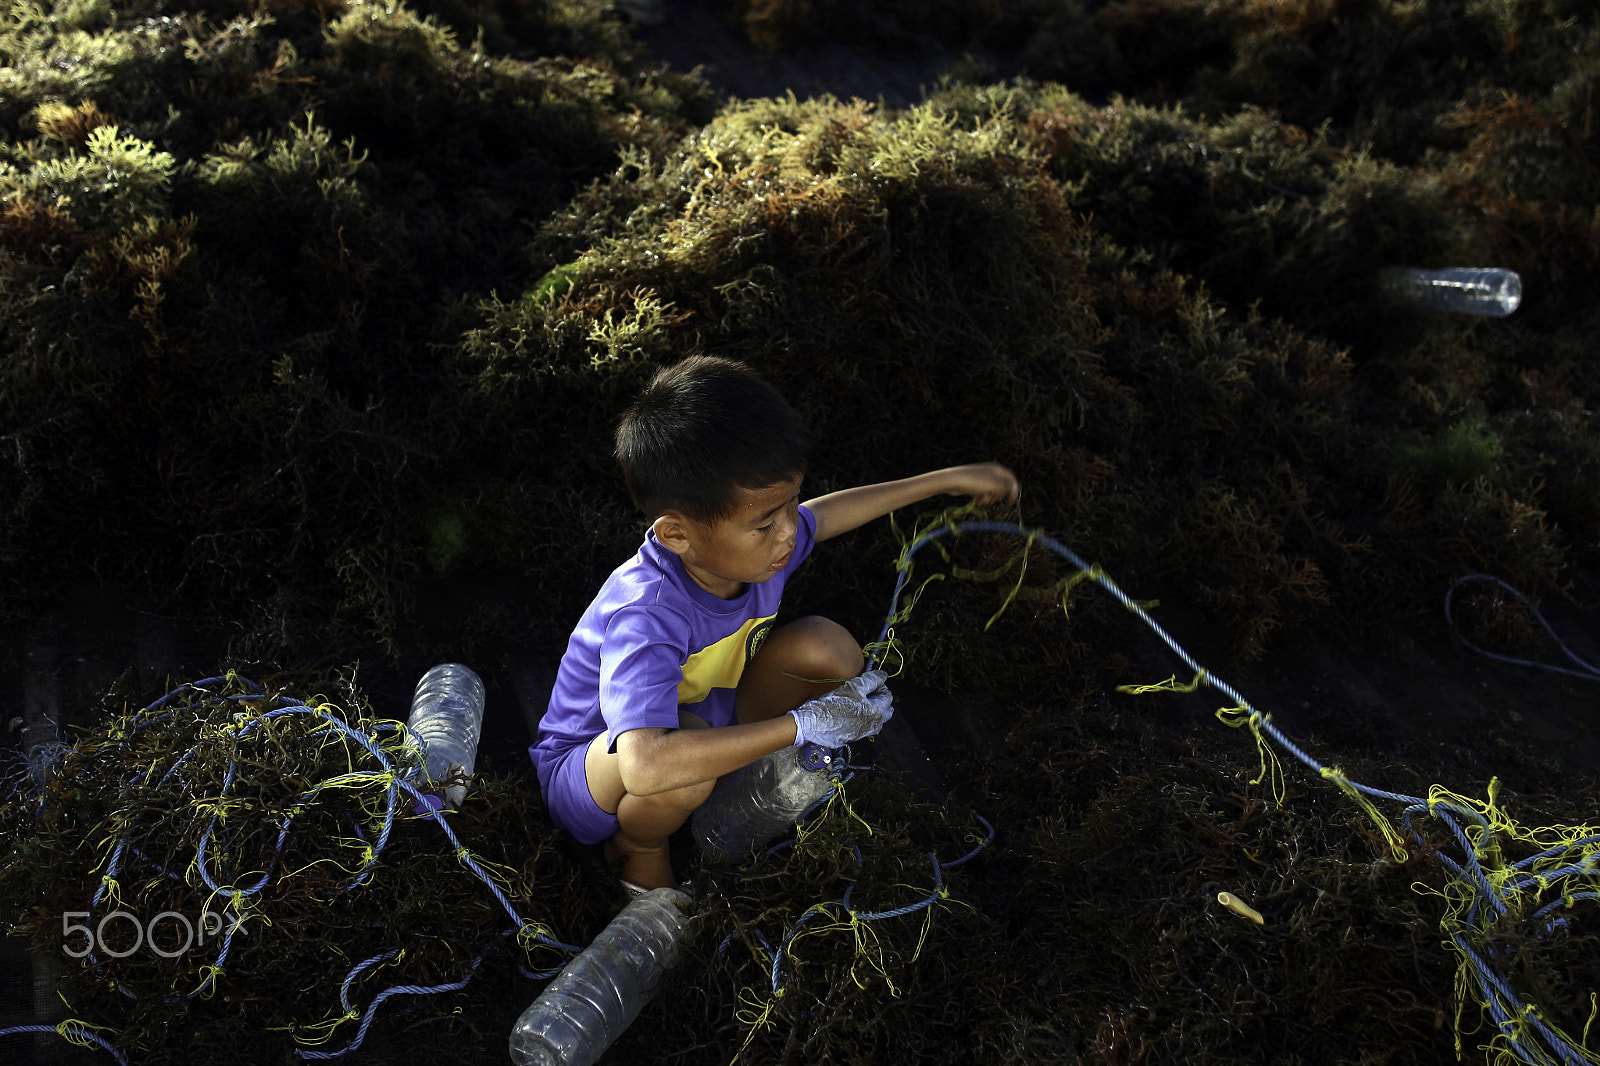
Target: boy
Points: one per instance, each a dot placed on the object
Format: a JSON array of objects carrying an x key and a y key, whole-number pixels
[{"x": 675, "y": 676}]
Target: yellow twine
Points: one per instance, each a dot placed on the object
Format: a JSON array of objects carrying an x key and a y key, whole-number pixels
[
  {"x": 755, "y": 1014},
  {"x": 317, "y": 1033},
  {"x": 869, "y": 950},
  {"x": 904, "y": 562},
  {"x": 1544, "y": 838},
  {"x": 530, "y": 932},
  {"x": 886, "y": 653},
  {"x": 501, "y": 874},
  {"x": 285, "y": 874},
  {"x": 209, "y": 975},
  {"x": 107, "y": 845},
  {"x": 1169, "y": 685},
  {"x": 1067, "y": 584},
  {"x": 967, "y": 573},
  {"x": 927, "y": 925},
  {"x": 113, "y": 890},
  {"x": 839, "y": 799},
  {"x": 331, "y": 1025},
  {"x": 1022, "y": 572},
  {"x": 1061, "y": 590},
  {"x": 910, "y": 601},
  {"x": 1487, "y": 825},
  {"x": 1271, "y": 769},
  {"x": 74, "y": 1030},
  {"x": 1384, "y": 826}
]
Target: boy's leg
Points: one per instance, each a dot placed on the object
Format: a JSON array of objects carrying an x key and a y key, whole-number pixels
[
  {"x": 800, "y": 661},
  {"x": 806, "y": 658},
  {"x": 644, "y": 822}
]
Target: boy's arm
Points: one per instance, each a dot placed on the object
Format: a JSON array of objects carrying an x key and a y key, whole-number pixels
[
  {"x": 840, "y": 512},
  {"x": 659, "y": 760}
]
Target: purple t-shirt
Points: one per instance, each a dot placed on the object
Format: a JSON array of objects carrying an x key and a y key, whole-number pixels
[{"x": 654, "y": 640}]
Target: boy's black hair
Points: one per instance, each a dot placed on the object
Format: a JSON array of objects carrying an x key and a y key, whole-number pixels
[{"x": 702, "y": 429}]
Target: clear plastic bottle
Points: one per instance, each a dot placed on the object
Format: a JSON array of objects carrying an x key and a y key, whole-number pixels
[
  {"x": 598, "y": 995},
  {"x": 1469, "y": 290},
  {"x": 446, "y": 720},
  {"x": 761, "y": 801}
]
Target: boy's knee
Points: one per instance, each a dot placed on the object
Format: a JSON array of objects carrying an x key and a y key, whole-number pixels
[
  {"x": 799, "y": 661},
  {"x": 823, "y": 649}
]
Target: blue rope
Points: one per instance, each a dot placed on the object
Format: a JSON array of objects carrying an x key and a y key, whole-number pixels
[
  {"x": 396, "y": 990},
  {"x": 988, "y": 830},
  {"x": 1584, "y": 670},
  {"x": 73, "y": 1032},
  {"x": 844, "y": 903},
  {"x": 357, "y": 970}
]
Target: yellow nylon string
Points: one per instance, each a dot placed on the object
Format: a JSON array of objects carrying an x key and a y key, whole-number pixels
[
  {"x": 1397, "y": 846},
  {"x": 755, "y": 1014},
  {"x": 1567, "y": 848},
  {"x": 319, "y": 1032},
  {"x": 1271, "y": 769},
  {"x": 910, "y": 602},
  {"x": 528, "y": 936},
  {"x": 74, "y": 1030},
  {"x": 209, "y": 975},
  {"x": 1564, "y": 863},
  {"x": 966, "y": 573},
  {"x": 1094, "y": 573},
  {"x": 500, "y": 873},
  {"x": 813, "y": 928},
  {"x": 1169, "y": 685},
  {"x": 839, "y": 800},
  {"x": 886, "y": 654},
  {"x": 869, "y": 950},
  {"x": 1022, "y": 572},
  {"x": 927, "y": 925}
]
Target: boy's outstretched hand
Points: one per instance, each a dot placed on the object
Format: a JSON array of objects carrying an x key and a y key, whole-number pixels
[
  {"x": 986, "y": 483},
  {"x": 858, "y": 708},
  {"x": 842, "y": 511}
]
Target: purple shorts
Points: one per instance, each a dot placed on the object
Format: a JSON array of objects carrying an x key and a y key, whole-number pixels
[{"x": 571, "y": 806}]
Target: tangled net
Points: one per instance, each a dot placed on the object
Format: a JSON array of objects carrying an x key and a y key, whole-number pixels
[
  {"x": 825, "y": 941},
  {"x": 1510, "y": 885},
  {"x": 227, "y": 838},
  {"x": 201, "y": 846}
]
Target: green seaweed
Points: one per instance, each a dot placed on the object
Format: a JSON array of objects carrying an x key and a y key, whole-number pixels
[{"x": 315, "y": 316}]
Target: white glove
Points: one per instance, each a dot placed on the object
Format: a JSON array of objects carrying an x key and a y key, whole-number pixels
[{"x": 858, "y": 708}]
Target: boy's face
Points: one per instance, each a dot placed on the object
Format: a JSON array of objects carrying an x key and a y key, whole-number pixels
[{"x": 750, "y": 545}]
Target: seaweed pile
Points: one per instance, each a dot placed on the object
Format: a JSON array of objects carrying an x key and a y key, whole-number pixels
[
  {"x": 236, "y": 862},
  {"x": 307, "y": 312},
  {"x": 946, "y": 257},
  {"x": 236, "y": 236},
  {"x": 314, "y": 315}
]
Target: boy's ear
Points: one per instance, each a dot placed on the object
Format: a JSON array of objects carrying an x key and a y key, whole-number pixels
[{"x": 672, "y": 532}]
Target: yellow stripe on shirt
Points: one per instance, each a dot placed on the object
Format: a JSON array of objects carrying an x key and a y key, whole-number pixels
[{"x": 718, "y": 665}]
